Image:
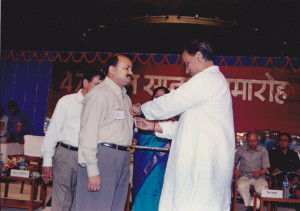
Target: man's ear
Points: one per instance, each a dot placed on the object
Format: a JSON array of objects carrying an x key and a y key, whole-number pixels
[
  {"x": 199, "y": 56},
  {"x": 111, "y": 70},
  {"x": 85, "y": 82}
]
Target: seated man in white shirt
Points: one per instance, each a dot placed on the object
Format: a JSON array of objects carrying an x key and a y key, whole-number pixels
[{"x": 64, "y": 128}]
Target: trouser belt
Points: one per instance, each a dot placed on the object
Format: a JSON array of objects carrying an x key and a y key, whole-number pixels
[
  {"x": 115, "y": 146},
  {"x": 69, "y": 147}
]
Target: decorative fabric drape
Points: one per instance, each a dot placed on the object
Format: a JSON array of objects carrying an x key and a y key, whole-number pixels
[{"x": 28, "y": 83}]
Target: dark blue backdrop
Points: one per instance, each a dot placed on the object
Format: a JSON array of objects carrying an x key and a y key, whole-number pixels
[{"x": 28, "y": 83}]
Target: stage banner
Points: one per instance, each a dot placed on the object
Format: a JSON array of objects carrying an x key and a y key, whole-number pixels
[{"x": 263, "y": 97}]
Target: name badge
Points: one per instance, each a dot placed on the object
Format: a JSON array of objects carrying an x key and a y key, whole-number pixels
[{"x": 119, "y": 114}]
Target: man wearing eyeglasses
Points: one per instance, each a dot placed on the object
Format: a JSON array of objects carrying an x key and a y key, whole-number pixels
[
  {"x": 64, "y": 129},
  {"x": 283, "y": 159},
  {"x": 104, "y": 140},
  {"x": 254, "y": 164}
]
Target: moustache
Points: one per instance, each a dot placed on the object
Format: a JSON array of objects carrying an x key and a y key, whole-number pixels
[{"x": 129, "y": 75}]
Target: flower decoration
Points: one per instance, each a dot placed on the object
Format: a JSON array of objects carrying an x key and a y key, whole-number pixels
[
  {"x": 11, "y": 165},
  {"x": 13, "y": 162}
]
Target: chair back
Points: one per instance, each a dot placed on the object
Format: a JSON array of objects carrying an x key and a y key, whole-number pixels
[
  {"x": 33, "y": 145},
  {"x": 32, "y": 152}
]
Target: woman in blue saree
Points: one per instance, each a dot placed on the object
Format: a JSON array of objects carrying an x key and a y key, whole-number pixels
[{"x": 149, "y": 166}]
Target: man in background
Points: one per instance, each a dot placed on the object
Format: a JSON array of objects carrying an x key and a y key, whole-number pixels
[
  {"x": 283, "y": 159},
  {"x": 19, "y": 124},
  {"x": 64, "y": 129}
]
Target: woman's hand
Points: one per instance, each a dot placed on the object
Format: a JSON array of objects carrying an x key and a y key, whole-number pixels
[{"x": 144, "y": 124}]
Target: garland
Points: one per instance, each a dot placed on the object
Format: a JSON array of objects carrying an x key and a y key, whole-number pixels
[{"x": 277, "y": 63}]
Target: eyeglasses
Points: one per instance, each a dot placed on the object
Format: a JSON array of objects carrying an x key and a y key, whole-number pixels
[
  {"x": 94, "y": 83},
  {"x": 159, "y": 95},
  {"x": 252, "y": 140},
  {"x": 126, "y": 68},
  {"x": 283, "y": 139}
]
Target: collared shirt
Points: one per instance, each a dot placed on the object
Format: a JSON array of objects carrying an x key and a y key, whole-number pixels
[
  {"x": 288, "y": 162},
  {"x": 250, "y": 161},
  {"x": 64, "y": 125},
  {"x": 20, "y": 123},
  {"x": 105, "y": 118},
  {"x": 200, "y": 165}
]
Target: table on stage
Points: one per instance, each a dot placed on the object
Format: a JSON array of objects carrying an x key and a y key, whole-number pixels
[
  {"x": 269, "y": 200},
  {"x": 30, "y": 204}
]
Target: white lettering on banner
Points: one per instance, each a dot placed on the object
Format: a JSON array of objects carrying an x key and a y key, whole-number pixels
[
  {"x": 242, "y": 87},
  {"x": 269, "y": 76},
  {"x": 134, "y": 83},
  {"x": 163, "y": 81},
  {"x": 235, "y": 92},
  {"x": 279, "y": 90}
]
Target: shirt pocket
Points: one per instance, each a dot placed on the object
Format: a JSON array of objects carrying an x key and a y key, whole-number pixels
[{"x": 257, "y": 161}]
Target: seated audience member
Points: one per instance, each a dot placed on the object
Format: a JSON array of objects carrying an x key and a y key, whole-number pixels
[
  {"x": 3, "y": 124},
  {"x": 283, "y": 159},
  {"x": 254, "y": 163},
  {"x": 19, "y": 124}
]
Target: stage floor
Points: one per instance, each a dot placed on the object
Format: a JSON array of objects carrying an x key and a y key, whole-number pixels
[{"x": 14, "y": 193}]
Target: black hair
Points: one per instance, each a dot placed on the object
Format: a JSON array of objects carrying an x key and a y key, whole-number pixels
[
  {"x": 250, "y": 132},
  {"x": 158, "y": 88},
  {"x": 13, "y": 104},
  {"x": 89, "y": 75},
  {"x": 284, "y": 134},
  {"x": 112, "y": 61},
  {"x": 195, "y": 45}
]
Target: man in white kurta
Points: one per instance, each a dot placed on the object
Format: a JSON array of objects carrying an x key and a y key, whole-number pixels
[{"x": 199, "y": 169}]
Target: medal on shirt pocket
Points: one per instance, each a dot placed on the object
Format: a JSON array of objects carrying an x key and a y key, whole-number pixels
[{"x": 119, "y": 114}]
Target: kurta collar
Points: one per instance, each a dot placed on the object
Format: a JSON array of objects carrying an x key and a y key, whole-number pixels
[
  {"x": 210, "y": 68},
  {"x": 115, "y": 87},
  {"x": 257, "y": 148}
]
